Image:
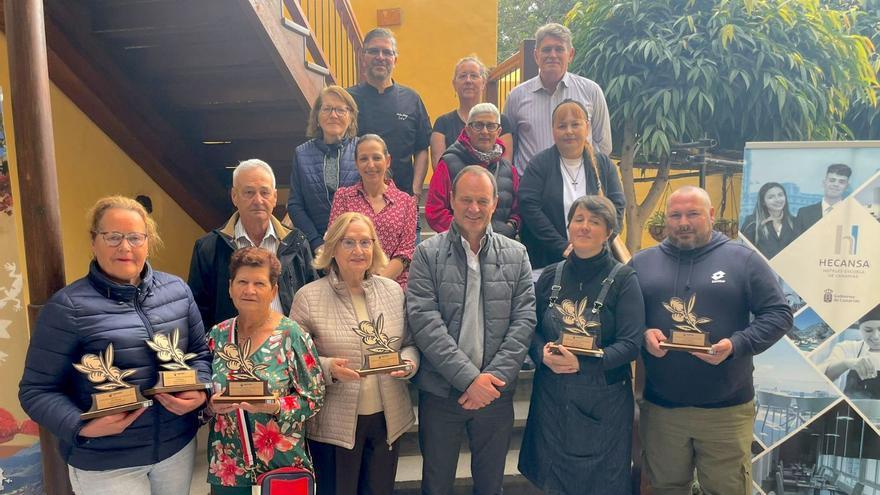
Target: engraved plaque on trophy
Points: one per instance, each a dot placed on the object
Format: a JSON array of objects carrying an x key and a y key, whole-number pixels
[
  {"x": 687, "y": 335},
  {"x": 177, "y": 376},
  {"x": 243, "y": 385},
  {"x": 116, "y": 395},
  {"x": 382, "y": 358},
  {"x": 576, "y": 335}
]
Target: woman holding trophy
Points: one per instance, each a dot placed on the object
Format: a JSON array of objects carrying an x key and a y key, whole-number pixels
[
  {"x": 259, "y": 431},
  {"x": 358, "y": 322},
  {"x": 591, "y": 317},
  {"x": 90, "y": 347}
]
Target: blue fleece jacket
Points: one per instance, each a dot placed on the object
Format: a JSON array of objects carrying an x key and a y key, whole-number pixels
[{"x": 736, "y": 290}]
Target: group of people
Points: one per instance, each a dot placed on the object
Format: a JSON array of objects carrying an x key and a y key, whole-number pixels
[
  {"x": 462, "y": 309},
  {"x": 772, "y": 226}
]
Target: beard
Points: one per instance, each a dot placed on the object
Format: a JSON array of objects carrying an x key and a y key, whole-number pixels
[{"x": 694, "y": 240}]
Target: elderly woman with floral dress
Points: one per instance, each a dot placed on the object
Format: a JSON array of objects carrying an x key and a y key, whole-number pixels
[{"x": 247, "y": 440}]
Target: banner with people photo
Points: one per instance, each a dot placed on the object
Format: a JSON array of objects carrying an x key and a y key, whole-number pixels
[
  {"x": 813, "y": 211},
  {"x": 20, "y": 466}
]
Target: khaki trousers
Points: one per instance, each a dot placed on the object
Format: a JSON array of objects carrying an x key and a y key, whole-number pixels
[{"x": 717, "y": 442}]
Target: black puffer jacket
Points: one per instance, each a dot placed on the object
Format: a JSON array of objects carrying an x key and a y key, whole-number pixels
[{"x": 83, "y": 318}]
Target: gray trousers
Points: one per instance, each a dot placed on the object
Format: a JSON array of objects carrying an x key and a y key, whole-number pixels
[{"x": 442, "y": 423}]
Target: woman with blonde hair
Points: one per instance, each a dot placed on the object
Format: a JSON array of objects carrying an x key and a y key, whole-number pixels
[
  {"x": 556, "y": 177},
  {"x": 324, "y": 163},
  {"x": 121, "y": 302},
  {"x": 352, "y": 313}
]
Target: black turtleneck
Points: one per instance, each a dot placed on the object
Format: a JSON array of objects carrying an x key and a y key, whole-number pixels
[{"x": 622, "y": 317}]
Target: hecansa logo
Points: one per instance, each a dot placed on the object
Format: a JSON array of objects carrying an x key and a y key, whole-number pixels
[{"x": 846, "y": 243}]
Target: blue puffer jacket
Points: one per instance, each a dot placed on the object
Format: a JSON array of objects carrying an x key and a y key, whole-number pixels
[
  {"x": 310, "y": 199},
  {"x": 83, "y": 318}
]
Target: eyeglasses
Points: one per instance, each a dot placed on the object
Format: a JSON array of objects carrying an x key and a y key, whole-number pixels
[
  {"x": 364, "y": 244},
  {"x": 479, "y": 126},
  {"x": 340, "y": 111},
  {"x": 375, "y": 52},
  {"x": 114, "y": 239}
]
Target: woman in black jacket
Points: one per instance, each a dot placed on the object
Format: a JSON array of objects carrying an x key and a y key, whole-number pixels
[
  {"x": 770, "y": 228},
  {"x": 556, "y": 177},
  {"x": 124, "y": 302},
  {"x": 579, "y": 430}
]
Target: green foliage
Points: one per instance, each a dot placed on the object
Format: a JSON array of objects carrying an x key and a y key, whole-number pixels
[
  {"x": 862, "y": 119},
  {"x": 734, "y": 70},
  {"x": 519, "y": 19}
]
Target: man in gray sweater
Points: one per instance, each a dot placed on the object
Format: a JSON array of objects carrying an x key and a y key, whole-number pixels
[{"x": 471, "y": 311}]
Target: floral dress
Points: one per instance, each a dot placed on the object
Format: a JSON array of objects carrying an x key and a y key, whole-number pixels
[{"x": 245, "y": 445}]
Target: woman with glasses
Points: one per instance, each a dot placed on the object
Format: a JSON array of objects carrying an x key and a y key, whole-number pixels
[
  {"x": 469, "y": 82},
  {"x": 555, "y": 178},
  {"x": 478, "y": 144},
  {"x": 392, "y": 211},
  {"x": 352, "y": 313},
  {"x": 323, "y": 164},
  {"x": 122, "y": 302}
]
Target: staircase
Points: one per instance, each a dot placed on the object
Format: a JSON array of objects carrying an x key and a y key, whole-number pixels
[{"x": 409, "y": 469}]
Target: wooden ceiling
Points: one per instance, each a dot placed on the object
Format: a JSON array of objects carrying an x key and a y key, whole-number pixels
[{"x": 186, "y": 88}]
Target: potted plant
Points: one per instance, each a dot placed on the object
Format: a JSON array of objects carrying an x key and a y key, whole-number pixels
[
  {"x": 727, "y": 226},
  {"x": 656, "y": 225}
]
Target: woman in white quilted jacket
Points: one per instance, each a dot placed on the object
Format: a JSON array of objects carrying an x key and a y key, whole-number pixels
[{"x": 358, "y": 323}]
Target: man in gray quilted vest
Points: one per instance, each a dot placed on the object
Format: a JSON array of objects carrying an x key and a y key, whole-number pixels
[{"x": 471, "y": 311}]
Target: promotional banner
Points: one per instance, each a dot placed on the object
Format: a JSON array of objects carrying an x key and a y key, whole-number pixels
[
  {"x": 812, "y": 210},
  {"x": 20, "y": 465}
]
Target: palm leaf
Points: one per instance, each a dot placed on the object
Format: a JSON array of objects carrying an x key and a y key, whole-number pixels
[
  {"x": 691, "y": 302},
  {"x": 582, "y": 306},
  {"x": 175, "y": 338},
  {"x": 108, "y": 387},
  {"x": 126, "y": 373},
  {"x": 83, "y": 369},
  {"x": 152, "y": 345}
]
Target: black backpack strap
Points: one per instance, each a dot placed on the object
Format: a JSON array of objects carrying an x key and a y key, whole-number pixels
[
  {"x": 603, "y": 293},
  {"x": 557, "y": 283}
]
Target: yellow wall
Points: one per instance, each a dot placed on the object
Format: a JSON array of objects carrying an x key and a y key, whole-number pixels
[
  {"x": 90, "y": 166},
  {"x": 713, "y": 186},
  {"x": 431, "y": 37}
]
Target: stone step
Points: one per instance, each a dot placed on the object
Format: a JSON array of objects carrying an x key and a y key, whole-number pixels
[
  {"x": 409, "y": 442},
  {"x": 409, "y": 474}
]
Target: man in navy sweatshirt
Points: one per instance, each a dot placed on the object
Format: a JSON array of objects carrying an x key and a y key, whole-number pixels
[{"x": 698, "y": 409}]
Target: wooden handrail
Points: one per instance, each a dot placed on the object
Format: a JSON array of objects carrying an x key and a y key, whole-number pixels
[
  {"x": 352, "y": 29},
  {"x": 299, "y": 17},
  {"x": 522, "y": 61}
]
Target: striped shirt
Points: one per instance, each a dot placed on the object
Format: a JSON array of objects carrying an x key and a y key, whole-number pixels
[
  {"x": 529, "y": 107},
  {"x": 269, "y": 242}
]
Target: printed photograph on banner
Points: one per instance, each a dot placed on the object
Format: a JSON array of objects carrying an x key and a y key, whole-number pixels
[
  {"x": 834, "y": 265},
  {"x": 869, "y": 196},
  {"x": 809, "y": 331},
  {"x": 789, "y": 392},
  {"x": 20, "y": 465},
  {"x": 837, "y": 453},
  {"x": 787, "y": 190},
  {"x": 852, "y": 361}
]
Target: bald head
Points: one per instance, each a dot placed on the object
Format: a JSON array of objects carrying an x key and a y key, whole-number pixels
[
  {"x": 689, "y": 217},
  {"x": 698, "y": 193}
]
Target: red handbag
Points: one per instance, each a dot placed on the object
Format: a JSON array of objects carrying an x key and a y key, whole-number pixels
[{"x": 287, "y": 481}]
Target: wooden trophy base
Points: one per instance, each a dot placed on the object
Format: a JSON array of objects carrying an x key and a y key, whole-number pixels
[
  {"x": 250, "y": 391},
  {"x": 688, "y": 342},
  {"x": 115, "y": 402},
  {"x": 577, "y": 351},
  {"x": 250, "y": 399},
  {"x": 380, "y": 370},
  {"x": 176, "y": 388},
  {"x": 669, "y": 346}
]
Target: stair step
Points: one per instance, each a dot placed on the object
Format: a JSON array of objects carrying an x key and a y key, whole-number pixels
[{"x": 409, "y": 468}]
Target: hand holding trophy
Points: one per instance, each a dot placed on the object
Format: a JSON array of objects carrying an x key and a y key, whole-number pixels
[
  {"x": 179, "y": 377},
  {"x": 116, "y": 394},
  {"x": 687, "y": 335},
  {"x": 382, "y": 358},
  {"x": 576, "y": 335}
]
